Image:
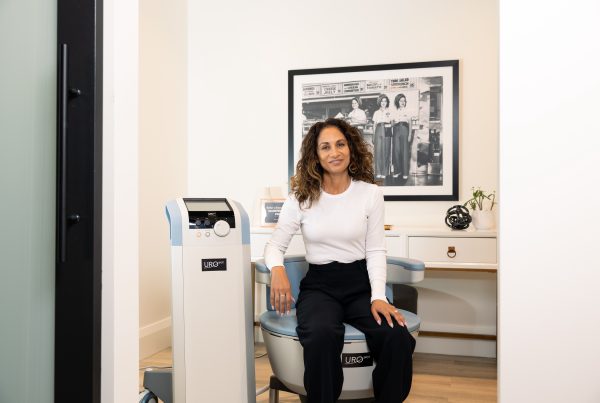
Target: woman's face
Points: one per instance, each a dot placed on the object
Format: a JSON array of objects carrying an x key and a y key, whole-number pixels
[
  {"x": 402, "y": 102},
  {"x": 384, "y": 103},
  {"x": 333, "y": 150},
  {"x": 354, "y": 104}
]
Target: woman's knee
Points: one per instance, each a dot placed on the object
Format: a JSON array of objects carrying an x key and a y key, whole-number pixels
[
  {"x": 396, "y": 336},
  {"x": 325, "y": 335},
  {"x": 401, "y": 338}
]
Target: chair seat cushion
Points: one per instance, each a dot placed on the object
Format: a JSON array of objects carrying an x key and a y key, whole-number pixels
[{"x": 286, "y": 325}]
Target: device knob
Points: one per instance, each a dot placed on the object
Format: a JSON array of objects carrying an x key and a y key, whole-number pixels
[{"x": 221, "y": 228}]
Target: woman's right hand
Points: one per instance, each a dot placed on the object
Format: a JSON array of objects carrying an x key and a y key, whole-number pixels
[{"x": 281, "y": 292}]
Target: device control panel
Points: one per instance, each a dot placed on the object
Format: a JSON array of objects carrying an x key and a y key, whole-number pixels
[{"x": 207, "y": 213}]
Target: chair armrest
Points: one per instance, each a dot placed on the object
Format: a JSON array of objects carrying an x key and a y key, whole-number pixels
[
  {"x": 400, "y": 273},
  {"x": 402, "y": 270},
  {"x": 262, "y": 272},
  {"x": 406, "y": 263}
]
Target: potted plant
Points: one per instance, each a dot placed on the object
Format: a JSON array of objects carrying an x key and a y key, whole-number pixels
[{"x": 481, "y": 205}]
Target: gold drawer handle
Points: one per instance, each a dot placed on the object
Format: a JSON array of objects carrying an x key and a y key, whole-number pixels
[{"x": 451, "y": 252}]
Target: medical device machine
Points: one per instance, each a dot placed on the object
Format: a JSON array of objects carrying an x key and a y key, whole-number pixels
[{"x": 213, "y": 345}]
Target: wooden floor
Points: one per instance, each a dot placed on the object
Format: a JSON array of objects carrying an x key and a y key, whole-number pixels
[{"x": 436, "y": 379}]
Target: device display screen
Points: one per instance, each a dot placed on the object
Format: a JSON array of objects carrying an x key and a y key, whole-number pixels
[
  {"x": 208, "y": 205},
  {"x": 204, "y": 213}
]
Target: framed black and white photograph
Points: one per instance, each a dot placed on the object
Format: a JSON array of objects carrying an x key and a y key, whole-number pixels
[{"x": 407, "y": 113}]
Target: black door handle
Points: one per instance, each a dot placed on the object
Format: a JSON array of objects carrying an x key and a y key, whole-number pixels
[{"x": 63, "y": 95}]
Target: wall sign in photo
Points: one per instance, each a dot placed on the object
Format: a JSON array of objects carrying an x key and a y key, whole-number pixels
[
  {"x": 407, "y": 113},
  {"x": 269, "y": 211}
]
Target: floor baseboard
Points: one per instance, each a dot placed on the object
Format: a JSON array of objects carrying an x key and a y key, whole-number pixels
[{"x": 155, "y": 337}]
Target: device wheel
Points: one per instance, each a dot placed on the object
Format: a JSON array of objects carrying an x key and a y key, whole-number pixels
[{"x": 148, "y": 397}]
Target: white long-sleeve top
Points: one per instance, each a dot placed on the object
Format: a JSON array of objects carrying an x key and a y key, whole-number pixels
[{"x": 345, "y": 227}]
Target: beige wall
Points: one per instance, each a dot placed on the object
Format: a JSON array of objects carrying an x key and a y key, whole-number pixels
[
  {"x": 163, "y": 157},
  {"x": 238, "y": 102}
]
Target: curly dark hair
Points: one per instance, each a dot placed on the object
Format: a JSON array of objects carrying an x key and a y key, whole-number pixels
[{"x": 306, "y": 183}]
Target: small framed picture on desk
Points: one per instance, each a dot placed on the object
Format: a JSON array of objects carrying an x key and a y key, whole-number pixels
[{"x": 269, "y": 211}]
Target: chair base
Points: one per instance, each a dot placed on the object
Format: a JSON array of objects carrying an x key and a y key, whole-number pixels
[
  {"x": 275, "y": 385},
  {"x": 287, "y": 362}
]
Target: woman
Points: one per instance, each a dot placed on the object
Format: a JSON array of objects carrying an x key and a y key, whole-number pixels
[
  {"x": 339, "y": 209},
  {"x": 357, "y": 116},
  {"x": 401, "y": 138},
  {"x": 381, "y": 137}
]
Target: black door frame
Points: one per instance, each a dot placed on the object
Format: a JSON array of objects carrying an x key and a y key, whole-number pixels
[{"x": 79, "y": 202}]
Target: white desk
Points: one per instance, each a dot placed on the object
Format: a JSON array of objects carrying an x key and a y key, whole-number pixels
[{"x": 457, "y": 298}]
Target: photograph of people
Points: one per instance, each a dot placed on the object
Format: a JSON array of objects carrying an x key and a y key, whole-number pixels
[
  {"x": 382, "y": 137},
  {"x": 401, "y": 130},
  {"x": 357, "y": 116},
  {"x": 340, "y": 212}
]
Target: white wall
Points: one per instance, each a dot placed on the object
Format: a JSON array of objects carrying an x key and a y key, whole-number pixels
[
  {"x": 549, "y": 321},
  {"x": 239, "y": 56},
  {"x": 120, "y": 203},
  {"x": 162, "y": 158}
]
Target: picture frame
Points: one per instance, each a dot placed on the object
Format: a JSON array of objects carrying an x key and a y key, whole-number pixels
[
  {"x": 269, "y": 211},
  {"x": 414, "y": 139}
]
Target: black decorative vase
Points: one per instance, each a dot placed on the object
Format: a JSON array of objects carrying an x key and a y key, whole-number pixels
[{"x": 458, "y": 217}]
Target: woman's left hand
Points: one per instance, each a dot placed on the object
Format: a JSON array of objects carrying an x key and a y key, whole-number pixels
[{"x": 380, "y": 307}]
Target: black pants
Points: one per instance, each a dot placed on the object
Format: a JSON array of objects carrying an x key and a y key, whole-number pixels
[{"x": 341, "y": 292}]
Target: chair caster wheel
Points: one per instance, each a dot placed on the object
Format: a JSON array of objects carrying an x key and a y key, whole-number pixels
[{"x": 147, "y": 397}]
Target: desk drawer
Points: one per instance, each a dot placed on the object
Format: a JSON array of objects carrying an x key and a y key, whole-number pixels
[{"x": 439, "y": 249}]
